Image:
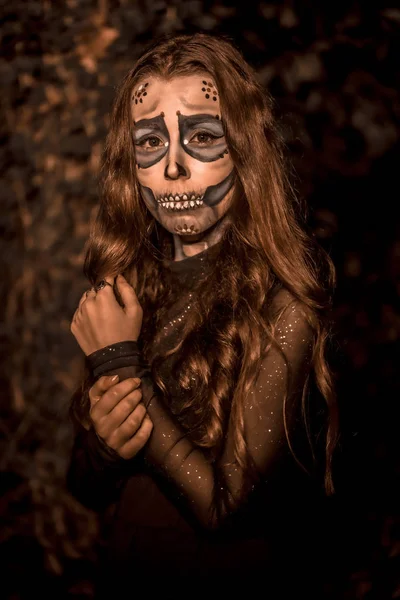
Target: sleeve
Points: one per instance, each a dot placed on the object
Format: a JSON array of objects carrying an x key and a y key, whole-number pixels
[
  {"x": 186, "y": 466},
  {"x": 96, "y": 473}
]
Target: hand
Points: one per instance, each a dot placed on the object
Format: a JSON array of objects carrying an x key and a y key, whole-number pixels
[
  {"x": 100, "y": 320},
  {"x": 119, "y": 416}
]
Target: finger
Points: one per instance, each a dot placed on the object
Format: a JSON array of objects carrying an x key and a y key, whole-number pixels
[
  {"x": 123, "y": 409},
  {"x": 107, "y": 294},
  {"x": 127, "y": 292},
  {"x": 136, "y": 443},
  {"x": 88, "y": 295},
  {"x": 100, "y": 387},
  {"x": 109, "y": 280},
  {"x": 107, "y": 289},
  {"x": 76, "y": 313},
  {"x": 129, "y": 427},
  {"x": 110, "y": 398},
  {"x": 73, "y": 320}
]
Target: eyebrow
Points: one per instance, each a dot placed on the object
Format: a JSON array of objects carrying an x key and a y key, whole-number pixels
[
  {"x": 200, "y": 118},
  {"x": 156, "y": 122},
  {"x": 147, "y": 124}
]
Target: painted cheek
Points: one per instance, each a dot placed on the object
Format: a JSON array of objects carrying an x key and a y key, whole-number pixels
[
  {"x": 212, "y": 172},
  {"x": 151, "y": 176}
]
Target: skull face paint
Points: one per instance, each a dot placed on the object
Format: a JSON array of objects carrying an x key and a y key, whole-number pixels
[
  {"x": 210, "y": 127},
  {"x": 151, "y": 139},
  {"x": 184, "y": 169}
]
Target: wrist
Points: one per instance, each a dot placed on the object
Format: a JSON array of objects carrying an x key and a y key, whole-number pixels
[{"x": 113, "y": 356}]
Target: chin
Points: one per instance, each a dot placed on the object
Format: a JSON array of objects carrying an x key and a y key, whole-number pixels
[{"x": 184, "y": 224}]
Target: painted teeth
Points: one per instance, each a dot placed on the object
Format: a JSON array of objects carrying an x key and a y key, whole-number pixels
[
  {"x": 180, "y": 205},
  {"x": 181, "y": 202}
]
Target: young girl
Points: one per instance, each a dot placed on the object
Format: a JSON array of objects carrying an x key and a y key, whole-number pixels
[{"x": 217, "y": 332}]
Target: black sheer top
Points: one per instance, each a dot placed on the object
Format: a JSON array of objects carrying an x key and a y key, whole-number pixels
[{"x": 163, "y": 496}]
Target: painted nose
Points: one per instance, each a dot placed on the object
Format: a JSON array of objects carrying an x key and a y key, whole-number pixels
[
  {"x": 175, "y": 170},
  {"x": 176, "y": 166}
]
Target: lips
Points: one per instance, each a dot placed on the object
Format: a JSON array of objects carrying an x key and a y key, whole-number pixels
[
  {"x": 190, "y": 201},
  {"x": 180, "y": 202}
]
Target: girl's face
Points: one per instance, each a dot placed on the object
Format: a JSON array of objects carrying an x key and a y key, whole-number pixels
[{"x": 183, "y": 165}]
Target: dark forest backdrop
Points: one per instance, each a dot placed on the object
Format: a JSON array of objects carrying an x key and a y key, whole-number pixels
[{"x": 333, "y": 68}]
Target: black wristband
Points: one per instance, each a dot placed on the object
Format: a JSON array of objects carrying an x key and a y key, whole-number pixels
[
  {"x": 118, "y": 350},
  {"x": 117, "y": 362}
]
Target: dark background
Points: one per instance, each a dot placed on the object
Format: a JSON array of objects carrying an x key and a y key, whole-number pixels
[{"x": 333, "y": 68}]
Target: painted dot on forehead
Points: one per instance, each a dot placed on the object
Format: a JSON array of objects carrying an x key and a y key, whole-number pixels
[
  {"x": 209, "y": 90},
  {"x": 140, "y": 93}
]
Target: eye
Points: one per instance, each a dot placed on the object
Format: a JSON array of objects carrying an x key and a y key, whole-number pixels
[
  {"x": 150, "y": 143},
  {"x": 203, "y": 138}
]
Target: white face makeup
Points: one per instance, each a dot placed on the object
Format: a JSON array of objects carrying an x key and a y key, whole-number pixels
[{"x": 182, "y": 160}]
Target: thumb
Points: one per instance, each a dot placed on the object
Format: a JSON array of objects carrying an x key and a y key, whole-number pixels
[{"x": 127, "y": 292}]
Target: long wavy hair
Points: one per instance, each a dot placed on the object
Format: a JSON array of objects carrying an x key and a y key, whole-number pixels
[{"x": 266, "y": 246}]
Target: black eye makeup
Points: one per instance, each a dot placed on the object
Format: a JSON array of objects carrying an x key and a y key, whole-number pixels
[
  {"x": 202, "y": 136},
  {"x": 151, "y": 139}
]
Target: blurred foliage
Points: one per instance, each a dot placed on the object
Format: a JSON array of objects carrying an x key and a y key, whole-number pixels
[{"x": 333, "y": 70}]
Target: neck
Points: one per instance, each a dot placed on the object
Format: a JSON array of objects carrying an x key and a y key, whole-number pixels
[{"x": 190, "y": 245}]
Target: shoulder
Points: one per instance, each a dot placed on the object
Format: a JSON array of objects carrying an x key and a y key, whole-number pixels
[
  {"x": 290, "y": 316},
  {"x": 283, "y": 302}
]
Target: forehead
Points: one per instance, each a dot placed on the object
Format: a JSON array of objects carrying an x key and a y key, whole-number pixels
[{"x": 193, "y": 93}]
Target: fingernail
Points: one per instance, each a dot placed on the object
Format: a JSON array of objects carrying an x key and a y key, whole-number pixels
[
  {"x": 137, "y": 379},
  {"x": 114, "y": 378}
]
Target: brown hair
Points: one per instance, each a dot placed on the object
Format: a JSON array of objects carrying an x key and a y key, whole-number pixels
[{"x": 266, "y": 246}]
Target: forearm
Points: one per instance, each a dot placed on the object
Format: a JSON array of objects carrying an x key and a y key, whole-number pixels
[{"x": 170, "y": 449}]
